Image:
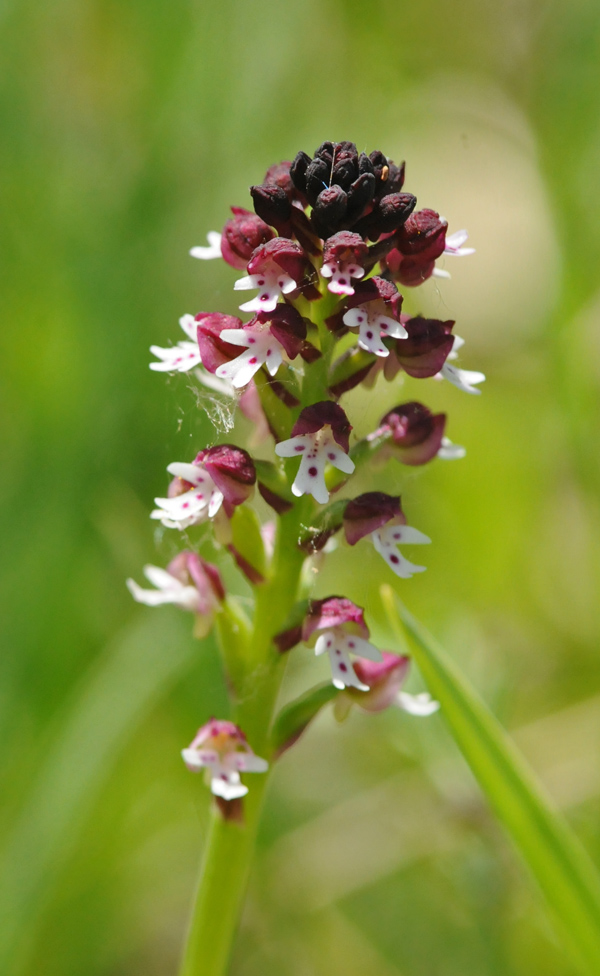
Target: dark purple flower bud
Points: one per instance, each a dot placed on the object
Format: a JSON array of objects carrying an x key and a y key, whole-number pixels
[
  {"x": 345, "y": 164},
  {"x": 329, "y": 211},
  {"x": 365, "y": 165},
  {"x": 214, "y": 351},
  {"x": 416, "y": 433},
  {"x": 334, "y": 611},
  {"x": 318, "y": 178},
  {"x": 315, "y": 417},
  {"x": 232, "y": 471},
  {"x": 272, "y": 204},
  {"x": 360, "y": 195},
  {"x": 282, "y": 254},
  {"x": 242, "y": 234},
  {"x": 426, "y": 349},
  {"x": 298, "y": 171},
  {"x": 369, "y": 512}
]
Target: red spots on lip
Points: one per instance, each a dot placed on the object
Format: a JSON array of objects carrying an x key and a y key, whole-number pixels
[
  {"x": 253, "y": 361},
  {"x": 265, "y": 298},
  {"x": 351, "y": 644},
  {"x": 312, "y": 472},
  {"x": 342, "y": 281},
  {"x": 331, "y": 456},
  {"x": 369, "y": 335},
  {"x": 261, "y": 281},
  {"x": 186, "y": 505},
  {"x": 251, "y": 340},
  {"x": 200, "y": 497},
  {"x": 394, "y": 560},
  {"x": 299, "y": 447},
  {"x": 343, "y": 667},
  {"x": 397, "y": 535},
  {"x": 269, "y": 352},
  {"x": 338, "y": 651}
]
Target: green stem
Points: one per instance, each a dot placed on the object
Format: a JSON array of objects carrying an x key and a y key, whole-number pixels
[{"x": 230, "y": 845}]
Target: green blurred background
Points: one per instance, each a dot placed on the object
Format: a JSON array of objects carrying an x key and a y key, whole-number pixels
[{"x": 128, "y": 129}]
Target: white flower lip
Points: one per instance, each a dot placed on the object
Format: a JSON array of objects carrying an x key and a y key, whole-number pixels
[
  {"x": 386, "y": 541},
  {"x": 262, "y": 348},
  {"x": 200, "y": 503},
  {"x": 315, "y": 451},
  {"x": 339, "y": 645},
  {"x": 182, "y": 357},
  {"x": 372, "y": 327},
  {"x": 168, "y": 590},
  {"x": 270, "y": 287}
]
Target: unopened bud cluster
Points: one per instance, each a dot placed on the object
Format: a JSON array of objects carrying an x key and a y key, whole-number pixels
[{"x": 330, "y": 239}]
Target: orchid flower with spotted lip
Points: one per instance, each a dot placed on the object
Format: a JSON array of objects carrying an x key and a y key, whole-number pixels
[
  {"x": 384, "y": 680},
  {"x": 268, "y": 339},
  {"x": 380, "y": 516},
  {"x": 222, "y": 750},
  {"x": 223, "y": 475},
  {"x": 188, "y": 582},
  {"x": 276, "y": 268},
  {"x": 344, "y": 257},
  {"x": 342, "y": 632},
  {"x": 320, "y": 437},
  {"x": 375, "y": 311},
  {"x": 182, "y": 357}
]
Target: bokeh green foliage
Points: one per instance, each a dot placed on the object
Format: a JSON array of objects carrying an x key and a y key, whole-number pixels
[{"x": 128, "y": 129}]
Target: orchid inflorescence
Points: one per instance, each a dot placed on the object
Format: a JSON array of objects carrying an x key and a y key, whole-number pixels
[{"x": 323, "y": 253}]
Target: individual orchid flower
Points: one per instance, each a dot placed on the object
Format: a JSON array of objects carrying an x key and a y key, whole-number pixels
[
  {"x": 276, "y": 268},
  {"x": 182, "y": 357},
  {"x": 208, "y": 252},
  {"x": 375, "y": 312},
  {"x": 268, "y": 339},
  {"x": 222, "y": 750},
  {"x": 384, "y": 680},
  {"x": 381, "y": 517},
  {"x": 410, "y": 433},
  {"x": 219, "y": 476},
  {"x": 342, "y": 632},
  {"x": 188, "y": 582},
  {"x": 320, "y": 437},
  {"x": 464, "y": 379},
  {"x": 418, "y": 244},
  {"x": 344, "y": 256}
]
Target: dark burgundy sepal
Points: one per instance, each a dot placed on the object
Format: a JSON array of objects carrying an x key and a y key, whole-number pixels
[
  {"x": 310, "y": 353},
  {"x": 410, "y": 272},
  {"x": 415, "y": 431},
  {"x": 279, "y": 504},
  {"x": 242, "y": 234},
  {"x": 283, "y": 254},
  {"x": 369, "y": 512},
  {"x": 250, "y": 572},
  {"x": 329, "y": 210},
  {"x": 345, "y": 246},
  {"x": 232, "y": 470},
  {"x": 423, "y": 233},
  {"x": 329, "y": 521},
  {"x": 287, "y": 326},
  {"x": 292, "y": 631},
  {"x": 272, "y": 205},
  {"x": 349, "y": 370},
  {"x": 315, "y": 417},
  {"x": 426, "y": 349},
  {"x": 334, "y": 611},
  {"x": 214, "y": 351}
]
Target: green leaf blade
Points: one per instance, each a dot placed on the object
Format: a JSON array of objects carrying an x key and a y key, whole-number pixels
[{"x": 553, "y": 853}]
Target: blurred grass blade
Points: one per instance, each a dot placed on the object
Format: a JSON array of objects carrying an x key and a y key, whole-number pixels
[
  {"x": 559, "y": 863},
  {"x": 136, "y": 671}
]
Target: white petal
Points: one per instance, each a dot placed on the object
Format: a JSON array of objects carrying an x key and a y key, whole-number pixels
[
  {"x": 214, "y": 383},
  {"x": 216, "y": 500},
  {"x": 265, "y": 302},
  {"x": 160, "y": 578},
  {"x": 212, "y": 251},
  {"x": 355, "y": 317},
  {"x": 440, "y": 273},
  {"x": 286, "y": 284},
  {"x": 451, "y": 452},
  {"x": 190, "y": 326},
  {"x": 310, "y": 479},
  {"x": 291, "y": 447},
  {"x": 239, "y": 371},
  {"x": 247, "y": 762},
  {"x": 238, "y": 337},
  {"x": 394, "y": 558},
  {"x": 229, "y": 788},
  {"x": 341, "y": 460},
  {"x": 392, "y": 328},
  {"x": 189, "y": 472},
  {"x": 397, "y": 535},
  {"x": 462, "y": 378},
  {"x": 361, "y": 647},
  {"x": 245, "y": 283},
  {"x": 456, "y": 240},
  {"x": 422, "y": 704},
  {"x": 151, "y": 598},
  {"x": 193, "y": 760}
]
